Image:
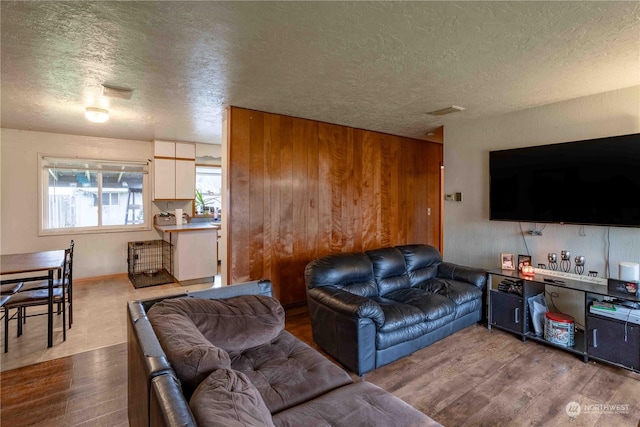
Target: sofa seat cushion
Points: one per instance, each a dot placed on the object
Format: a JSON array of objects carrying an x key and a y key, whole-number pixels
[
  {"x": 361, "y": 404},
  {"x": 227, "y": 398},
  {"x": 411, "y": 306},
  {"x": 287, "y": 372},
  {"x": 458, "y": 292},
  {"x": 233, "y": 324}
]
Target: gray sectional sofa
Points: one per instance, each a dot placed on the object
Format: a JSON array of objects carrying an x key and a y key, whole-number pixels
[
  {"x": 222, "y": 358},
  {"x": 371, "y": 308}
]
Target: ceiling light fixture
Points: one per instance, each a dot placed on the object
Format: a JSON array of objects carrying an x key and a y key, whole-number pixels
[
  {"x": 96, "y": 115},
  {"x": 448, "y": 110}
]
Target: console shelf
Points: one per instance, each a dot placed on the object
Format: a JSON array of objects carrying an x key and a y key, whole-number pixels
[
  {"x": 606, "y": 339},
  {"x": 579, "y": 339}
]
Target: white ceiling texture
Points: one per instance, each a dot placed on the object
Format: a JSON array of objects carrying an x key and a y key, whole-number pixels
[{"x": 371, "y": 65}]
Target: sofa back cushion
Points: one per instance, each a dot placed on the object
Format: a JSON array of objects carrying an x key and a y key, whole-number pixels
[
  {"x": 422, "y": 262},
  {"x": 227, "y": 398},
  {"x": 233, "y": 324},
  {"x": 196, "y": 333},
  {"x": 351, "y": 272},
  {"x": 389, "y": 270},
  {"x": 190, "y": 354}
]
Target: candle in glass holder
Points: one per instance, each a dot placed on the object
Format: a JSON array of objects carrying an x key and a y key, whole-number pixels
[{"x": 528, "y": 270}]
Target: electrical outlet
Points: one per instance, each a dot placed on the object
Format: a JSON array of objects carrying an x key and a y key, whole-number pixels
[{"x": 448, "y": 197}]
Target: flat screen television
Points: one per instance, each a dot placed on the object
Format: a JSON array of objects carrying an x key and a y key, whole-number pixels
[{"x": 592, "y": 182}]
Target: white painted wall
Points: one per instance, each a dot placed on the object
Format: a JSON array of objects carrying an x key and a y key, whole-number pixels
[
  {"x": 471, "y": 239},
  {"x": 96, "y": 254}
]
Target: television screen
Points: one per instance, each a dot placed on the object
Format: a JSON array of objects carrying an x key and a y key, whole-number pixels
[{"x": 594, "y": 182}]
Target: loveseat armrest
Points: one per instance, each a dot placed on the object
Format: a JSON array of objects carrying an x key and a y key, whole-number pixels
[
  {"x": 348, "y": 304},
  {"x": 344, "y": 325},
  {"x": 474, "y": 276}
]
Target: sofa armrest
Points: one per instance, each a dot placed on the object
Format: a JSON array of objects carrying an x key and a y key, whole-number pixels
[
  {"x": 348, "y": 304},
  {"x": 145, "y": 361},
  {"x": 255, "y": 287},
  {"x": 474, "y": 276},
  {"x": 168, "y": 407}
]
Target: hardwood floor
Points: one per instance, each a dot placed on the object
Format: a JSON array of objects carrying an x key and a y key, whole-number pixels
[
  {"x": 86, "y": 389},
  {"x": 475, "y": 377}
]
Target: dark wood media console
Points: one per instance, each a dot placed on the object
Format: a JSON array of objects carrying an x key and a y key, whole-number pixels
[{"x": 604, "y": 338}]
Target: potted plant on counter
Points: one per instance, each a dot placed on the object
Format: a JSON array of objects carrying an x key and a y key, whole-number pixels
[{"x": 200, "y": 203}]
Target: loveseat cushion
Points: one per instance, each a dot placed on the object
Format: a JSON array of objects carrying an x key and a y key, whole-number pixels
[
  {"x": 389, "y": 269},
  {"x": 388, "y": 339},
  {"x": 406, "y": 307},
  {"x": 458, "y": 292},
  {"x": 349, "y": 271},
  {"x": 233, "y": 324},
  {"x": 358, "y": 405},
  {"x": 422, "y": 262},
  {"x": 287, "y": 371},
  {"x": 227, "y": 398}
]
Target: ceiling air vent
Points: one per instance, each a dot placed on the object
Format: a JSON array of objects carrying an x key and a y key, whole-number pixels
[
  {"x": 116, "y": 92},
  {"x": 448, "y": 110}
]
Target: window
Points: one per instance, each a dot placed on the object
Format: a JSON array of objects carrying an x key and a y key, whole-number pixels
[
  {"x": 208, "y": 191},
  {"x": 92, "y": 195}
]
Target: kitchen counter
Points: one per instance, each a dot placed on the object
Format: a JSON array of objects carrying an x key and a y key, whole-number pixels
[
  {"x": 193, "y": 226},
  {"x": 195, "y": 250}
]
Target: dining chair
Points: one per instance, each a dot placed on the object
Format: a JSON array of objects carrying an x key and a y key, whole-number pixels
[
  {"x": 37, "y": 297},
  {"x": 65, "y": 282},
  {"x": 6, "y": 290},
  {"x": 3, "y": 299},
  {"x": 10, "y": 288}
]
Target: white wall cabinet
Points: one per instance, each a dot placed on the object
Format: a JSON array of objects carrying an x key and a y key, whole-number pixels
[
  {"x": 174, "y": 170},
  {"x": 185, "y": 179}
]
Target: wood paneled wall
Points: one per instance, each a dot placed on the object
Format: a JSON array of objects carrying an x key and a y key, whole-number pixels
[{"x": 300, "y": 189}]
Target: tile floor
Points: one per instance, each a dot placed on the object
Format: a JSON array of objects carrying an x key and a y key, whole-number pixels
[{"x": 99, "y": 320}]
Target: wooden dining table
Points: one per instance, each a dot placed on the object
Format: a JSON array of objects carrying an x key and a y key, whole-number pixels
[{"x": 34, "y": 262}]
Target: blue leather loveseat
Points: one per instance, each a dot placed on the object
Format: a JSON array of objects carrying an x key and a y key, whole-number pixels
[{"x": 369, "y": 309}]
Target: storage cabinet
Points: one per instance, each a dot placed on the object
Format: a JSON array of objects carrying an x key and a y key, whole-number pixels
[
  {"x": 614, "y": 341},
  {"x": 174, "y": 170},
  {"x": 507, "y": 311}
]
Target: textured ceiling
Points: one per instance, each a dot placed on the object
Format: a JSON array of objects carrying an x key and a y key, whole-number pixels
[{"x": 378, "y": 66}]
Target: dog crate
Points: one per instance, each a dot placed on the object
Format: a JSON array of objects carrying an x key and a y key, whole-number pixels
[{"x": 150, "y": 263}]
